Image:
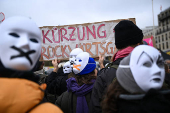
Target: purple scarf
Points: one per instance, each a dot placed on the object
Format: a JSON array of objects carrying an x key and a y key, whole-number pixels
[{"x": 80, "y": 92}]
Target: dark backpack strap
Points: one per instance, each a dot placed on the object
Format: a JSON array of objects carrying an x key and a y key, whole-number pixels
[
  {"x": 114, "y": 66},
  {"x": 111, "y": 65}
]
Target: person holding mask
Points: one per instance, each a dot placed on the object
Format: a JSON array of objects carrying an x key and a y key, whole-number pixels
[{"x": 56, "y": 81}]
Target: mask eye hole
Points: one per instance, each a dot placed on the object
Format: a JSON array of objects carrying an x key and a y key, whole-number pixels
[
  {"x": 14, "y": 35},
  {"x": 34, "y": 40},
  {"x": 67, "y": 67},
  {"x": 147, "y": 64},
  {"x": 160, "y": 63}
]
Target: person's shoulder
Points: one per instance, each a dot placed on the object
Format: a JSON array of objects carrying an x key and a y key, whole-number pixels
[
  {"x": 63, "y": 98},
  {"x": 64, "y": 95},
  {"x": 106, "y": 75},
  {"x": 107, "y": 71},
  {"x": 46, "y": 108}
]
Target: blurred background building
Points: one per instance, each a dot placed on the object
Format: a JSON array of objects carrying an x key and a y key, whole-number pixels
[{"x": 162, "y": 31}]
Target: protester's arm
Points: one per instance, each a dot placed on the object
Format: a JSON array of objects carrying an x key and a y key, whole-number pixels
[
  {"x": 51, "y": 79},
  {"x": 64, "y": 102},
  {"x": 51, "y": 82},
  {"x": 101, "y": 59},
  {"x": 59, "y": 100},
  {"x": 52, "y": 76},
  {"x": 55, "y": 64}
]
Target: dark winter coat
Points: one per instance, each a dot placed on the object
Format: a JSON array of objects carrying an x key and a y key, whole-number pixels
[
  {"x": 152, "y": 102},
  {"x": 104, "y": 79},
  {"x": 68, "y": 102},
  {"x": 56, "y": 83}
]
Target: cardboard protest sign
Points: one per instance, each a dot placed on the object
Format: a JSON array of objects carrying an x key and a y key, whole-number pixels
[{"x": 94, "y": 38}]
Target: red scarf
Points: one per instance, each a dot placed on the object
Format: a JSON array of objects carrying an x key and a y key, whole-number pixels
[{"x": 122, "y": 53}]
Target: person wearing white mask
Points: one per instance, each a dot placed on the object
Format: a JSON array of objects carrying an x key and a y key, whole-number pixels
[
  {"x": 20, "y": 49},
  {"x": 73, "y": 55},
  {"x": 139, "y": 84},
  {"x": 56, "y": 81},
  {"x": 79, "y": 85},
  {"x": 67, "y": 67},
  {"x": 55, "y": 78}
]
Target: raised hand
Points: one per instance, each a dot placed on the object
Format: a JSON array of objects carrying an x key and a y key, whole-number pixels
[
  {"x": 101, "y": 60},
  {"x": 55, "y": 64}
]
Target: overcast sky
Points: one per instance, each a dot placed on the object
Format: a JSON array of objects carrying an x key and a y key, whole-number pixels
[{"x": 66, "y": 12}]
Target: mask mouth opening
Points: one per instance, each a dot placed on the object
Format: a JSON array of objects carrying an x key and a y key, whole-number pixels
[
  {"x": 157, "y": 80},
  {"x": 71, "y": 63}
]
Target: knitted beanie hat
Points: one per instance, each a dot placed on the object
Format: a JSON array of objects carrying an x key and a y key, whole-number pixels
[
  {"x": 126, "y": 34},
  {"x": 89, "y": 67},
  {"x": 83, "y": 64}
]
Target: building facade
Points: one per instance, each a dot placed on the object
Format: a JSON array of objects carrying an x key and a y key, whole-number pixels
[{"x": 162, "y": 31}]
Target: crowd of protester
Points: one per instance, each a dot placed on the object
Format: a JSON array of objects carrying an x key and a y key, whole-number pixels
[{"x": 137, "y": 79}]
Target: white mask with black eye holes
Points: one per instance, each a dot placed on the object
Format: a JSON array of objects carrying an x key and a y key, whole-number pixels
[
  {"x": 20, "y": 45},
  {"x": 73, "y": 55},
  {"x": 80, "y": 62},
  {"x": 67, "y": 67},
  {"x": 147, "y": 66}
]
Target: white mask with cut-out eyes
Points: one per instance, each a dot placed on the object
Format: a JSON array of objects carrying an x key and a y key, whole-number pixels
[
  {"x": 73, "y": 55},
  {"x": 80, "y": 62},
  {"x": 20, "y": 43},
  {"x": 147, "y": 66},
  {"x": 67, "y": 67}
]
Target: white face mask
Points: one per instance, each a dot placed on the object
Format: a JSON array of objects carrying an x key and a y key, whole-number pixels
[
  {"x": 73, "y": 55},
  {"x": 147, "y": 66},
  {"x": 80, "y": 62},
  {"x": 20, "y": 43},
  {"x": 67, "y": 67}
]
